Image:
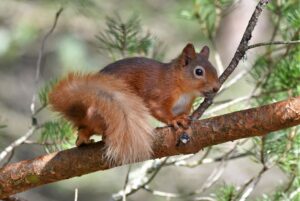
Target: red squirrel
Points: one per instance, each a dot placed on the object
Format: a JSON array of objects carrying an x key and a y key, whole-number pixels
[{"x": 117, "y": 102}]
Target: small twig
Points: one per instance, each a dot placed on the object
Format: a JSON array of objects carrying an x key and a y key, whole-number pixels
[
  {"x": 161, "y": 193},
  {"x": 17, "y": 142},
  {"x": 9, "y": 157},
  {"x": 34, "y": 127},
  {"x": 39, "y": 110},
  {"x": 228, "y": 104},
  {"x": 133, "y": 188},
  {"x": 232, "y": 81},
  {"x": 212, "y": 160},
  {"x": 261, "y": 94},
  {"x": 249, "y": 186},
  {"x": 239, "y": 54},
  {"x": 294, "y": 194},
  {"x": 126, "y": 182},
  {"x": 182, "y": 161},
  {"x": 173, "y": 195},
  {"x": 204, "y": 199},
  {"x": 212, "y": 179},
  {"x": 76, "y": 194},
  {"x": 262, "y": 151},
  {"x": 252, "y": 185},
  {"x": 290, "y": 183},
  {"x": 39, "y": 61},
  {"x": 217, "y": 173},
  {"x": 273, "y": 43},
  {"x": 39, "y": 143}
]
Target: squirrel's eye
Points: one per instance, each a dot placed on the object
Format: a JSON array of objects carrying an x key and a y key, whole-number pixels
[{"x": 199, "y": 71}]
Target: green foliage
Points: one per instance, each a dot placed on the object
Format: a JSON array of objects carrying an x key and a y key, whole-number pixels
[
  {"x": 287, "y": 13},
  {"x": 43, "y": 93},
  {"x": 225, "y": 193},
  {"x": 207, "y": 13},
  {"x": 277, "y": 76},
  {"x": 284, "y": 194},
  {"x": 277, "y": 196},
  {"x": 294, "y": 19},
  {"x": 289, "y": 157},
  {"x": 57, "y": 135},
  {"x": 281, "y": 148},
  {"x": 126, "y": 38}
]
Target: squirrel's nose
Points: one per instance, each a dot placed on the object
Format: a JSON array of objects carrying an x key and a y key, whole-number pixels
[{"x": 215, "y": 89}]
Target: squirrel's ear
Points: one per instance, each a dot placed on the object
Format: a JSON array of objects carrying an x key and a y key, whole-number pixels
[
  {"x": 188, "y": 53},
  {"x": 205, "y": 52}
]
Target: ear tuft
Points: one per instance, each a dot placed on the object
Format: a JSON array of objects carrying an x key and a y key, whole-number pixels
[
  {"x": 205, "y": 52},
  {"x": 188, "y": 53}
]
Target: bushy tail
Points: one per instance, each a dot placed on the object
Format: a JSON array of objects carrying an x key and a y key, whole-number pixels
[{"x": 88, "y": 100}]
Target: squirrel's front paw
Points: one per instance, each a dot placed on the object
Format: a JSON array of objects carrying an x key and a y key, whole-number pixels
[
  {"x": 181, "y": 121},
  {"x": 83, "y": 137},
  {"x": 80, "y": 141}
]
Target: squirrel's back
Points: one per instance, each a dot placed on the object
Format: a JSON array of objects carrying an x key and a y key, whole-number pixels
[
  {"x": 132, "y": 64},
  {"x": 105, "y": 105}
]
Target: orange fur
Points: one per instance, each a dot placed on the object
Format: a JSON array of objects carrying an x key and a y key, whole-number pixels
[
  {"x": 118, "y": 101},
  {"x": 98, "y": 104},
  {"x": 161, "y": 85}
]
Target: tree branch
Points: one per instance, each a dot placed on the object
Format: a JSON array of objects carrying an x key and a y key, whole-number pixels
[
  {"x": 239, "y": 54},
  {"x": 16, "y": 143},
  {"x": 273, "y": 43},
  {"x": 23, "y": 175},
  {"x": 39, "y": 62}
]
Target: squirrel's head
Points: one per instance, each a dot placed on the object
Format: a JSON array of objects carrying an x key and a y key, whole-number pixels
[{"x": 197, "y": 74}]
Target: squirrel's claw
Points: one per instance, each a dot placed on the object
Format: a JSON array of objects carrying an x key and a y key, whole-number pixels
[
  {"x": 83, "y": 138},
  {"x": 83, "y": 141},
  {"x": 181, "y": 121}
]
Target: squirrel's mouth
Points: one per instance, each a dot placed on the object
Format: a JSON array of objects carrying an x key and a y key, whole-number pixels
[{"x": 208, "y": 94}]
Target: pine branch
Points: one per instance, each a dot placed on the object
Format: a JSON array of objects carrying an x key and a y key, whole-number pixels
[{"x": 24, "y": 175}]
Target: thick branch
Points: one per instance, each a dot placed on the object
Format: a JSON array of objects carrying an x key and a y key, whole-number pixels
[{"x": 23, "y": 175}]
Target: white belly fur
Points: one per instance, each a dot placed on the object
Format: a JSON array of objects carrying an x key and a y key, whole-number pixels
[{"x": 182, "y": 103}]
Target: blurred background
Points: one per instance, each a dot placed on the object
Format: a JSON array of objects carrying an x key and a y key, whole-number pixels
[{"x": 162, "y": 28}]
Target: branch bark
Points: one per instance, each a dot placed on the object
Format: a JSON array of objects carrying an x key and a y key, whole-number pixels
[{"x": 23, "y": 175}]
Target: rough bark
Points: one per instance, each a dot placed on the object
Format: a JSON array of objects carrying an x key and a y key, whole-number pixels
[{"x": 23, "y": 175}]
